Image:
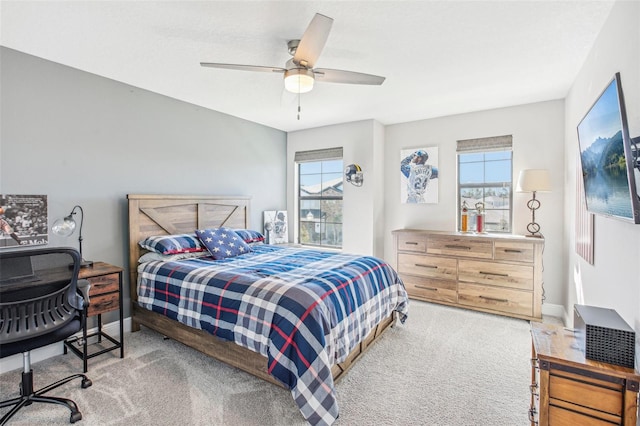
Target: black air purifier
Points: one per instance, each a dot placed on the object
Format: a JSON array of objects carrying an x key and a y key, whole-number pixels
[{"x": 604, "y": 336}]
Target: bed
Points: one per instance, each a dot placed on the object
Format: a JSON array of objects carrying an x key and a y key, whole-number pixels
[{"x": 297, "y": 318}]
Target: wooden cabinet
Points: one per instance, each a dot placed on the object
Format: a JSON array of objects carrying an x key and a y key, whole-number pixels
[
  {"x": 494, "y": 273},
  {"x": 105, "y": 295},
  {"x": 568, "y": 389}
]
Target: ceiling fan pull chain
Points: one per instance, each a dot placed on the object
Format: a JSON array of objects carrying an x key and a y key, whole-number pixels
[{"x": 298, "y": 106}]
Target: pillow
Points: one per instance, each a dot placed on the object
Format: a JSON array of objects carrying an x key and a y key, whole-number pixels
[
  {"x": 152, "y": 255},
  {"x": 223, "y": 242},
  {"x": 250, "y": 236},
  {"x": 172, "y": 244}
]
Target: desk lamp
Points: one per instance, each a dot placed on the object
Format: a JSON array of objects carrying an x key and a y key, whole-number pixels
[{"x": 65, "y": 228}]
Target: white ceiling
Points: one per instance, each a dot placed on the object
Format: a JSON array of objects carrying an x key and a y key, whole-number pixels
[{"x": 439, "y": 57}]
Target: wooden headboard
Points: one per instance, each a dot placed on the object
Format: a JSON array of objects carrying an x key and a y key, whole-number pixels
[{"x": 179, "y": 214}]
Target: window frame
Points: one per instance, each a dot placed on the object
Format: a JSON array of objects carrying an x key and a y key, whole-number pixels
[
  {"x": 317, "y": 157},
  {"x": 484, "y": 185}
]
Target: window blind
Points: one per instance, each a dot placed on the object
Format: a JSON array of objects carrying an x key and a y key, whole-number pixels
[
  {"x": 319, "y": 155},
  {"x": 494, "y": 143}
]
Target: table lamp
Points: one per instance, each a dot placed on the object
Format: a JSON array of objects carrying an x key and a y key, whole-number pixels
[
  {"x": 65, "y": 228},
  {"x": 534, "y": 180}
]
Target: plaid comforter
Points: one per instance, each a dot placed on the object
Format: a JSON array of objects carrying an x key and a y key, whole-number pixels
[{"x": 304, "y": 310}]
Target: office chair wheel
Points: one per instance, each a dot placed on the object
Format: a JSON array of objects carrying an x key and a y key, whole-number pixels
[
  {"x": 75, "y": 417},
  {"x": 86, "y": 383}
]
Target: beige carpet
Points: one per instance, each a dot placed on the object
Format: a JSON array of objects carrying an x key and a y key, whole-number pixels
[{"x": 444, "y": 366}]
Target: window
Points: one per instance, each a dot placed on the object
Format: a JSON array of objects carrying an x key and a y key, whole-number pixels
[
  {"x": 320, "y": 187},
  {"x": 484, "y": 175}
]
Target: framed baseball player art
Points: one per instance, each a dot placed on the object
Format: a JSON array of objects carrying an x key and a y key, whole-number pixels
[{"x": 419, "y": 175}]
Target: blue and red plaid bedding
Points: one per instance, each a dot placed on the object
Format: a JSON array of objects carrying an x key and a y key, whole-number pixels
[{"x": 304, "y": 310}]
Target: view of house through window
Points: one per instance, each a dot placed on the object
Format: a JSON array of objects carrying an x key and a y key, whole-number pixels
[
  {"x": 485, "y": 177},
  {"x": 320, "y": 202}
]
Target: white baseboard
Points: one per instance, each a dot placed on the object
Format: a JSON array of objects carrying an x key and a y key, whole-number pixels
[
  {"x": 555, "y": 311},
  {"x": 15, "y": 362}
]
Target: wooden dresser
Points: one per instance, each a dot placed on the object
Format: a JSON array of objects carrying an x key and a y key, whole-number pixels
[
  {"x": 569, "y": 389},
  {"x": 495, "y": 273}
]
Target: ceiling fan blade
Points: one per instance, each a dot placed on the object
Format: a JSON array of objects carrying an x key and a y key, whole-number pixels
[
  {"x": 347, "y": 77},
  {"x": 242, "y": 67},
  {"x": 313, "y": 41}
]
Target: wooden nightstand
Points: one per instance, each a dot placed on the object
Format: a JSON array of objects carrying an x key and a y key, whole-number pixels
[
  {"x": 105, "y": 295},
  {"x": 569, "y": 389}
]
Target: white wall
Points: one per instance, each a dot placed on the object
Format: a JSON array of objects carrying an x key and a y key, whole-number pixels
[
  {"x": 362, "y": 143},
  {"x": 614, "y": 279},
  {"x": 538, "y": 140}
]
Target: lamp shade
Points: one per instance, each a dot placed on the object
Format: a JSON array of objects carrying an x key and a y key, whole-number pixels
[
  {"x": 64, "y": 227},
  {"x": 534, "y": 180}
]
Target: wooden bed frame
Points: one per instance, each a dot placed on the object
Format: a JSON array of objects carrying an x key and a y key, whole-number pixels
[{"x": 175, "y": 214}]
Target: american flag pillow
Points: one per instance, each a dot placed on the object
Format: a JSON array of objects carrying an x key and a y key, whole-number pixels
[
  {"x": 250, "y": 236},
  {"x": 172, "y": 244},
  {"x": 223, "y": 242}
]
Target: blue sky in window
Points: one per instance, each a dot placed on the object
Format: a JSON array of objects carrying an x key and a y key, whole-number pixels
[{"x": 485, "y": 167}]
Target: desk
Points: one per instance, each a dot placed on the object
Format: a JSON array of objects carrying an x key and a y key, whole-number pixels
[{"x": 105, "y": 295}]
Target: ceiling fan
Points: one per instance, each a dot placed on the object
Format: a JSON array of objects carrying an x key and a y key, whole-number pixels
[{"x": 299, "y": 72}]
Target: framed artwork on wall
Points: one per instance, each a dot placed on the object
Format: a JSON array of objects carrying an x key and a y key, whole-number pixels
[
  {"x": 275, "y": 227},
  {"x": 419, "y": 175},
  {"x": 23, "y": 220}
]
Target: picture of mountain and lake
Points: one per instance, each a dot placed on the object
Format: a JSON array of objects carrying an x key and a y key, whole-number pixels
[{"x": 604, "y": 166}]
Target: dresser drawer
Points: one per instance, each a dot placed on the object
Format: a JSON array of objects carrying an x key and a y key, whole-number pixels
[
  {"x": 498, "y": 274},
  {"x": 495, "y": 298},
  {"x": 412, "y": 242},
  {"x": 463, "y": 247},
  {"x": 429, "y": 288},
  {"x": 427, "y": 266},
  {"x": 103, "y": 303},
  {"x": 104, "y": 284},
  {"x": 514, "y": 251}
]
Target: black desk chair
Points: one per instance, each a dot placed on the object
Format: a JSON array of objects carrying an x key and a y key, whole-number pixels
[{"x": 39, "y": 305}]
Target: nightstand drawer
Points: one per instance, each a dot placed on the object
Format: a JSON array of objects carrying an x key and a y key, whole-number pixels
[
  {"x": 104, "y": 303},
  {"x": 498, "y": 274},
  {"x": 606, "y": 398},
  {"x": 103, "y": 284}
]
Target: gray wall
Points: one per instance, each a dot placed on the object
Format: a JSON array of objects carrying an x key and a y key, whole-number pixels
[{"x": 84, "y": 139}]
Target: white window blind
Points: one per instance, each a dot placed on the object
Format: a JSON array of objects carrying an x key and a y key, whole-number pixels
[
  {"x": 494, "y": 143},
  {"x": 319, "y": 155}
]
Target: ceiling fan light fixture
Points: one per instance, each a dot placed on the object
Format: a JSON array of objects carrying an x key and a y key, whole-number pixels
[{"x": 298, "y": 80}]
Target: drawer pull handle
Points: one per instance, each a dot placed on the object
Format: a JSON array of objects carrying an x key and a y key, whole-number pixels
[
  {"x": 423, "y": 265},
  {"x": 532, "y": 415},
  {"x": 534, "y": 389},
  {"x": 455, "y": 246},
  {"x": 512, "y": 251},
  {"x": 426, "y": 288},
  {"x": 494, "y": 274},
  {"x": 534, "y": 362},
  {"x": 495, "y": 299},
  {"x": 411, "y": 243}
]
